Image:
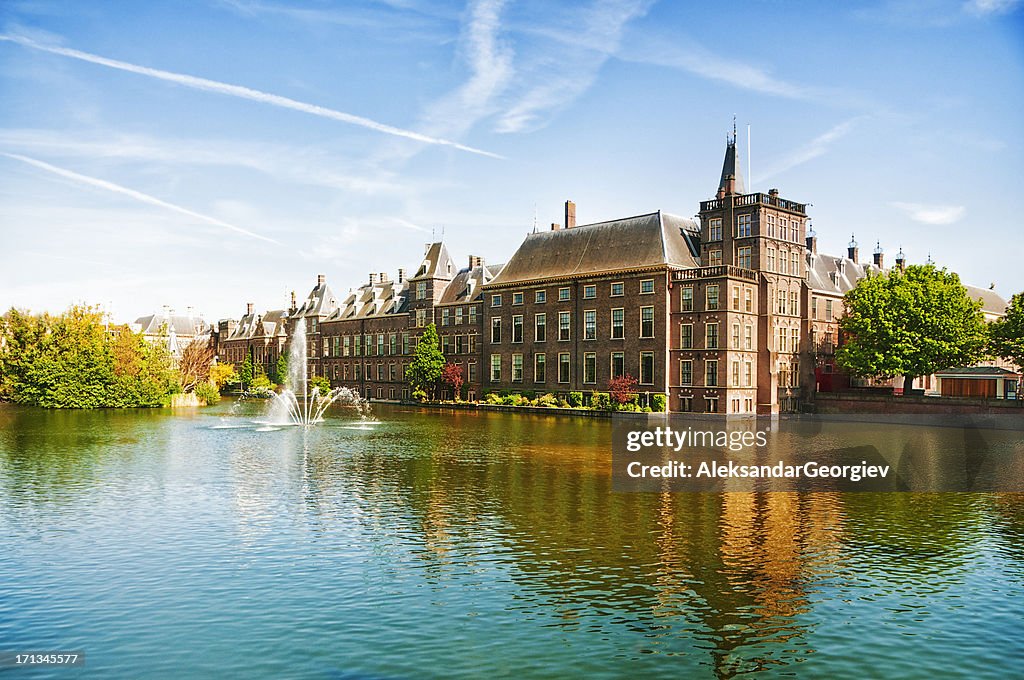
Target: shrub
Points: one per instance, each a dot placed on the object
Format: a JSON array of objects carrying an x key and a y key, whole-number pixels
[
  {"x": 547, "y": 401},
  {"x": 647, "y": 409},
  {"x": 492, "y": 398},
  {"x": 207, "y": 391},
  {"x": 530, "y": 395},
  {"x": 576, "y": 399},
  {"x": 419, "y": 395},
  {"x": 320, "y": 381},
  {"x": 658, "y": 402},
  {"x": 601, "y": 401},
  {"x": 510, "y": 399}
]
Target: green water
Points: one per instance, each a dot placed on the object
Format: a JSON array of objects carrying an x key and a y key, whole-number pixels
[{"x": 471, "y": 545}]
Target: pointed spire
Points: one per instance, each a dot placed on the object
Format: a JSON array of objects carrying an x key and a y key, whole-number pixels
[{"x": 732, "y": 175}]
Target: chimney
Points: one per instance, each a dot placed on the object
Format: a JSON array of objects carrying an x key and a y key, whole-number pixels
[
  {"x": 555, "y": 226},
  {"x": 901, "y": 260},
  {"x": 475, "y": 261},
  {"x": 774, "y": 193},
  {"x": 878, "y": 254},
  {"x": 851, "y": 250},
  {"x": 812, "y": 244},
  {"x": 383, "y": 277},
  {"x": 293, "y": 306},
  {"x": 248, "y": 308},
  {"x": 401, "y": 275},
  {"x": 320, "y": 280},
  {"x": 373, "y": 278},
  {"x": 570, "y": 214}
]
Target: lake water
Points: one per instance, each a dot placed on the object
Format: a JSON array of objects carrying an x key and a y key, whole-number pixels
[{"x": 431, "y": 544}]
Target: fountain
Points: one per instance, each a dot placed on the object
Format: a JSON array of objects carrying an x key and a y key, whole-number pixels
[{"x": 297, "y": 404}]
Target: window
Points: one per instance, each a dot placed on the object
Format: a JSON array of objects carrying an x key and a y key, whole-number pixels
[
  {"x": 540, "y": 297},
  {"x": 685, "y": 335},
  {"x": 686, "y": 299},
  {"x": 686, "y": 372},
  {"x": 712, "y": 297},
  {"x": 746, "y": 375},
  {"x": 540, "y": 327},
  {"x": 794, "y": 303},
  {"x": 783, "y": 228},
  {"x": 446, "y": 317},
  {"x": 647, "y": 322},
  {"x": 794, "y": 264},
  {"x": 369, "y": 345},
  {"x": 617, "y": 289},
  {"x": 828, "y": 310},
  {"x": 421, "y": 318},
  {"x": 392, "y": 372},
  {"x": 517, "y": 368},
  {"x": 743, "y": 257},
  {"x": 736, "y": 298},
  {"x": 495, "y": 301},
  {"x": 781, "y": 340},
  {"x": 589, "y": 292},
  {"x": 460, "y": 344},
  {"x": 748, "y": 298},
  {"x": 711, "y": 336},
  {"x": 747, "y": 338},
  {"x": 563, "y": 367},
  {"x": 715, "y": 229},
  {"x": 771, "y": 259},
  {"x": 771, "y": 225},
  {"x": 563, "y": 294},
  {"x": 743, "y": 225},
  {"x": 392, "y": 344},
  {"x": 517, "y": 298},
  {"x": 714, "y": 258},
  {"x": 794, "y": 339},
  {"x": 646, "y": 368},
  {"x": 590, "y": 368},
  {"x": 618, "y": 318},
  {"x": 711, "y": 373},
  {"x": 814, "y": 307},
  {"x": 564, "y": 327},
  {"x": 472, "y": 344},
  {"x": 735, "y": 374},
  {"x": 618, "y": 365},
  {"x": 346, "y": 346},
  {"x": 458, "y": 316},
  {"x": 590, "y": 324},
  {"x": 359, "y": 346},
  {"x": 495, "y": 367},
  {"x": 380, "y": 344},
  {"x": 358, "y": 370},
  {"x": 405, "y": 343},
  {"x": 472, "y": 314},
  {"x": 421, "y": 290},
  {"x": 495, "y": 329},
  {"x": 517, "y": 328},
  {"x": 538, "y": 368},
  {"x": 735, "y": 336},
  {"x": 471, "y": 372},
  {"x": 783, "y": 264},
  {"x": 647, "y": 287}
]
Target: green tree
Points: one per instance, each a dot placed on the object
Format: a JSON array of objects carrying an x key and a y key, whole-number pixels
[
  {"x": 1007, "y": 334},
  {"x": 424, "y": 372},
  {"x": 246, "y": 373},
  {"x": 281, "y": 370},
  {"x": 910, "y": 323}
]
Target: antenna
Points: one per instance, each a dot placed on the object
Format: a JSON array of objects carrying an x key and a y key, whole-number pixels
[
  {"x": 750, "y": 171},
  {"x": 734, "y": 128},
  {"x": 535, "y": 217}
]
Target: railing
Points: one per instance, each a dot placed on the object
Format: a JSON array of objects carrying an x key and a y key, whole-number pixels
[
  {"x": 714, "y": 272},
  {"x": 754, "y": 199}
]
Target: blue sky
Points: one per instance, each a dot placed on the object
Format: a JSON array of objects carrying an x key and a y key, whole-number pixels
[{"x": 209, "y": 154}]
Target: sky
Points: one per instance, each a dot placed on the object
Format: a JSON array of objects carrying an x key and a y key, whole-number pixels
[{"x": 210, "y": 154}]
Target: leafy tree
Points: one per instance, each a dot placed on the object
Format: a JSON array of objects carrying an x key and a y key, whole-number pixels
[
  {"x": 223, "y": 374},
  {"x": 451, "y": 375},
  {"x": 622, "y": 389},
  {"x": 425, "y": 369},
  {"x": 1007, "y": 334},
  {"x": 194, "y": 365},
  {"x": 247, "y": 372},
  {"x": 320, "y": 381},
  {"x": 281, "y": 370},
  {"x": 910, "y": 323}
]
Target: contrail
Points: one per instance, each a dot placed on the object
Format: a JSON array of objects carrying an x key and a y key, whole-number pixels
[
  {"x": 244, "y": 93},
  {"x": 137, "y": 195}
]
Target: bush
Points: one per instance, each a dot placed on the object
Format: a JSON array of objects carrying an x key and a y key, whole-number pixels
[
  {"x": 530, "y": 395},
  {"x": 320, "y": 381},
  {"x": 207, "y": 391},
  {"x": 419, "y": 395},
  {"x": 575, "y": 399},
  {"x": 547, "y": 401},
  {"x": 510, "y": 399},
  {"x": 601, "y": 401},
  {"x": 658, "y": 402},
  {"x": 492, "y": 398},
  {"x": 261, "y": 385},
  {"x": 647, "y": 409}
]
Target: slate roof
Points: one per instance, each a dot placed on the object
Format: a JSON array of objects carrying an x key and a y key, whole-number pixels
[
  {"x": 373, "y": 300},
  {"x": 321, "y": 301},
  {"x": 182, "y": 325},
  {"x": 437, "y": 263},
  {"x": 731, "y": 167},
  {"x": 652, "y": 240},
  {"x": 980, "y": 371},
  {"x": 467, "y": 284},
  {"x": 836, "y": 275}
]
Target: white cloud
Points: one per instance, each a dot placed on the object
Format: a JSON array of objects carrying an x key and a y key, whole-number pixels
[
  {"x": 137, "y": 195},
  {"x": 244, "y": 93},
  {"x": 930, "y": 213},
  {"x": 811, "y": 150},
  {"x": 986, "y": 7}
]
